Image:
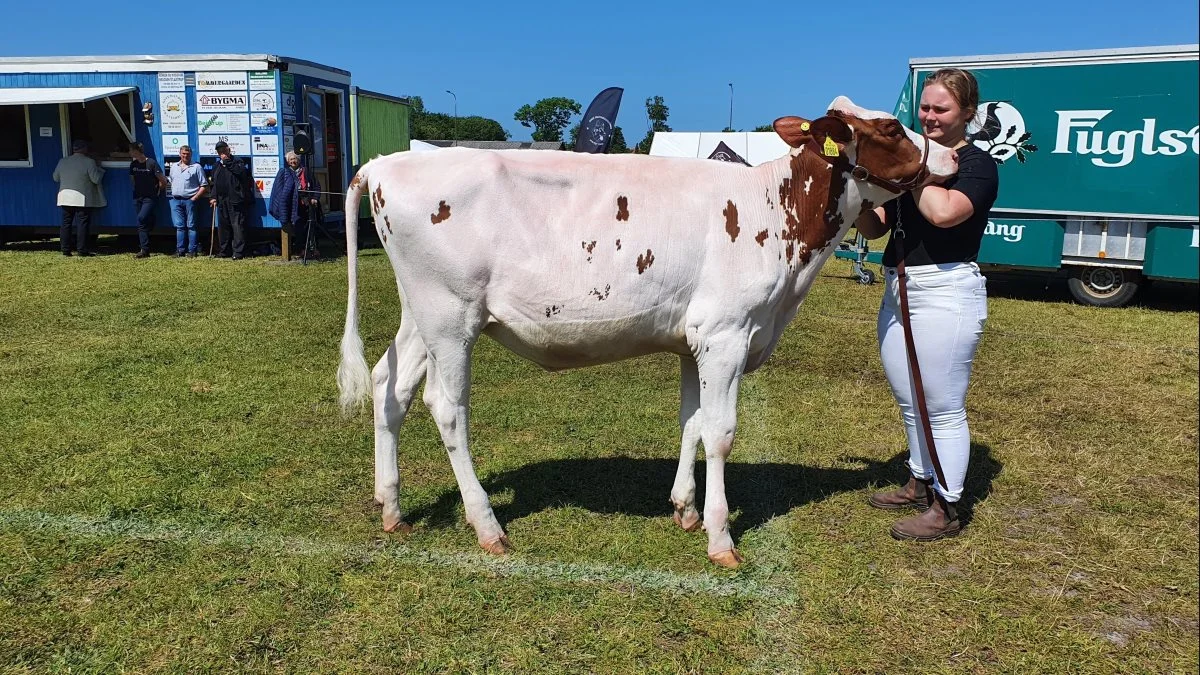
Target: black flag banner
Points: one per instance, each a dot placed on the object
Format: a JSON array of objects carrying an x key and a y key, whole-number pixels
[
  {"x": 596, "y": 129},
  {"x": 723, "y": 153}
]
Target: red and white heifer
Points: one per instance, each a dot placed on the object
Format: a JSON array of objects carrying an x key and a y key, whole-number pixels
[{"x": 572, "y": 259}]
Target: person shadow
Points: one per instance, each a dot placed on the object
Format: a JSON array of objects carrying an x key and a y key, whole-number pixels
[{"x": 641, "y": 487}]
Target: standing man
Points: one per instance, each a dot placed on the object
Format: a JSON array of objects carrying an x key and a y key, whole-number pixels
[
  {"x": 148, "y": 182},
  {"x": 78, "y": 177},
  {"x": 187, "y": 187},
  {"x": 231, "y": 197}
]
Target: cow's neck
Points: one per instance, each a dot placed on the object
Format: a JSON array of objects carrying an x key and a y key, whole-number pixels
[{"x": 815, "y": 203}]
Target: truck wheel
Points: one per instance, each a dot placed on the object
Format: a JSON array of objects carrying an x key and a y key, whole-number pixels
[{"x": 1104, "y": 286}]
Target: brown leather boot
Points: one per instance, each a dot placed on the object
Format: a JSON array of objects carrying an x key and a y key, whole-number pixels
[
  {"x": 913, "y": 494},
  {"x": 937, "y": 522}
]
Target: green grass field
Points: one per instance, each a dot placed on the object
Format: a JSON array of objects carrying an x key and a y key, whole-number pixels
[{"x": 179, "y": 493}]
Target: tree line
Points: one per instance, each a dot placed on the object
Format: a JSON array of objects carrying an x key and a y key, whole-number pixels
[{"x": 548, "y": 117}]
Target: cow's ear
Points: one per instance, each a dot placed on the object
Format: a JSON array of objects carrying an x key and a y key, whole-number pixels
[
  {"x": 795, "y": 131},
  {"x": 832, "y": 134},
  {"x": 832, "y": 127}
]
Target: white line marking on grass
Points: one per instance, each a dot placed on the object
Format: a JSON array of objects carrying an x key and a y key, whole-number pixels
[{"x": 511, "y": 566}]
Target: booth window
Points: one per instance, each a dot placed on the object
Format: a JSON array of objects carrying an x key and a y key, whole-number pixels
[
  {"x": 106, "y": 133},
  {"x": 14, "y": 135}
]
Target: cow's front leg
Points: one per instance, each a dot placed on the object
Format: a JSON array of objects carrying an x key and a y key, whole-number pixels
[
  {"x": 683, "y": 493},
  {"x": 447, "y": 394},
  {"x": 721, "y": 360},
  {"x": 395, "y": 380}
]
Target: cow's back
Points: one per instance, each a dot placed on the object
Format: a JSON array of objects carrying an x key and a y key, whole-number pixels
[{"x": 574, "y": 258}]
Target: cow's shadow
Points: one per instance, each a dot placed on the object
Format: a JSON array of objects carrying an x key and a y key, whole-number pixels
[{"x": 641, "y": 487}]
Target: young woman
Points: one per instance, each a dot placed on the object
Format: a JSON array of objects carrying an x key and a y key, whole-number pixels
[{"x": 941, "y": 226}]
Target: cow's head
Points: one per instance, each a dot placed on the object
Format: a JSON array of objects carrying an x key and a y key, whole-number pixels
[{"x": 874, "y": 144}]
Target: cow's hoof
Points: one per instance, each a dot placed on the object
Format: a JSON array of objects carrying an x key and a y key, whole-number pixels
[
  {"x": 498, "y": 546},
  {"x": 730, "y": 558},
  {"x": 393, "y": 526},
  {"x": 690, "y": 524}
]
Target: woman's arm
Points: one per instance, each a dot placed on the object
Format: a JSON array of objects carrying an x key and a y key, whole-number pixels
[{"x": 941, "y": 207}]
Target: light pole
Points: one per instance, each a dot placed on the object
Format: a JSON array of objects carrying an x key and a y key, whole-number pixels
[
  {"x": 455, "y": 116},
  {"x": 730, "y": 106}
]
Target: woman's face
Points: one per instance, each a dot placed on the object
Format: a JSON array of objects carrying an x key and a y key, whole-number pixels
[
  {"x": 294, "y": 162},
  {"x": 941, "y": 117}
]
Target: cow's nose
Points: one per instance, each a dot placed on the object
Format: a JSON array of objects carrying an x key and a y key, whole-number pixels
[{"x": 954, "y": 156}]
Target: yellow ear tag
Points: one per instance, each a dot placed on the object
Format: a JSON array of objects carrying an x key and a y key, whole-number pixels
[
  {"x": 830, "y": 148},
  {"x": 804, "y": 126}
]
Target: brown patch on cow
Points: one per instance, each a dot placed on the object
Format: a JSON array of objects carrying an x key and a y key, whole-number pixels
[
  {"x": 812, "y": 218},
  {"x": 618, "y": 244},
  {"x": 553, "y": 309},
  {"x": 589, "y": 246},
  {"x": 769, "y": 202},
  {"x": 645, "y": 261},
  {"x": 356, "y": 181},
  {"x": 387, "y": 222},
  {"x": 622, "y": 208},
  {"x": 731, "y": 219},
  {"x": 443, "y": 213},
  {"x": 377, "y": 197},
  {"x": 761, "y": 237},
  {"x": 601, "y": 295}
]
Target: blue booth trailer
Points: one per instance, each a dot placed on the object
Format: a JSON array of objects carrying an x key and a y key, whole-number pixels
[{"x": 250, "y": 101}]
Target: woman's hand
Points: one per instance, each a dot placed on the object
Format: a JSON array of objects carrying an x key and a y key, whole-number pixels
[{"x": 872, "y": 224}]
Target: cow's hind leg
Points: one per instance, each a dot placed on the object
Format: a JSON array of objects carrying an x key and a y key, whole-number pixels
[
  {"x": 721, "y": 360},
  {"x": 395, "y": 380},
  {"x": 447, "y": 394},
  {"x": 683, "y": 493}
]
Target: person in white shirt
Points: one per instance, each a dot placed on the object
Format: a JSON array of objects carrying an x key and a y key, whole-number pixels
[{"x": 188, "y": 185}]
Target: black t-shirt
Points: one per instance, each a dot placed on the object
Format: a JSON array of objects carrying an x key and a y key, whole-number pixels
[
  {"x": 232, "y": 182},
  {"x": 145, "y": 177},
  {"x": 925, "y": 244}
]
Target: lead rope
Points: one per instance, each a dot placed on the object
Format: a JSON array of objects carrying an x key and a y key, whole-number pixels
[{"x": 910, "y": 346}]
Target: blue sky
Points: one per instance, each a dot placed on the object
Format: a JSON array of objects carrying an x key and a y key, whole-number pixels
[{"x": 786, "y": 58}]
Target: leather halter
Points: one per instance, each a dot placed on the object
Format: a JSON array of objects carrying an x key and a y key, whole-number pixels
[{"x": 860, "y": 172}]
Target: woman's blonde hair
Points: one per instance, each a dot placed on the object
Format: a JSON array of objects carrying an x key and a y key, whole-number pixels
[{"x": 961, "y": 85}]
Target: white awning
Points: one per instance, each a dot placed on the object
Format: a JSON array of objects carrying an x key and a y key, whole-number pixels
[{"x": 43, "y": 95}]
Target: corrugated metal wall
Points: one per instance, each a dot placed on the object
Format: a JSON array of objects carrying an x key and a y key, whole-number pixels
[
  {"x": 28, "y": 195},
  {"x": 382, "y": 128}
]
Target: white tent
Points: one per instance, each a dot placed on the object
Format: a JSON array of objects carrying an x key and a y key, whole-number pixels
[{"x": 755, "y": 147}]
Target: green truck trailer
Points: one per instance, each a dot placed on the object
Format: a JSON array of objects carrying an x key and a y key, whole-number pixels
[
  {"x": 1097, "y": 153},
  {"x": 378, "y": 126}
]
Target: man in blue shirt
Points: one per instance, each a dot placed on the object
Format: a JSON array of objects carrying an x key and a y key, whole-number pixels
[{"x": 188, "y": 185}]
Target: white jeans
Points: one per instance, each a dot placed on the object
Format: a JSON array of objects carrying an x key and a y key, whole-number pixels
[{"x": 947, "y": 307}]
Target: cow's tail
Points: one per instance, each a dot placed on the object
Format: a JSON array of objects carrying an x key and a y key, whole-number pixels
[{"x": 353, "y": 375}]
